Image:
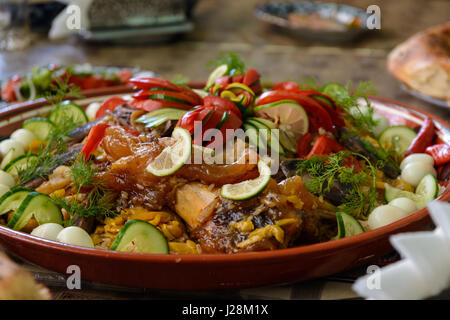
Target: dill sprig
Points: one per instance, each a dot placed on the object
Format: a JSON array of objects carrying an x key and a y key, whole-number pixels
[
  {"x": 61, "y": 89},
  {"x": 235, "y": 64},
  {"x": 324, "y": 170},
  {"x": 98, "y": 201}
]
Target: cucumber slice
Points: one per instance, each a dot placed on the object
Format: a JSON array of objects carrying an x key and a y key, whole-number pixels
[
  {"x": 160, "y": 96},
  {"x": 140, "y": 236},
  {"x": 15, "y": 166},
  {"x": 272, "y": 137},
  {"x": 347, "y": 225},
  {"x": 39, "y": 205},
  {"x": 397, "y": 138},
  {"x": 217, "y": 73},
  {"x": 68, "y": 111},
  {"x": 250, "y": 188},
  {"x": 173, "y": 157},
  {"x": 334, "y": 90},
  {"x": 170, "y": 113},
  {"x": 158, "y": 117},
  {"x": 12, "y": 199},
  {"x": 289, "y": 117},
  {"x": 391, "y": 193},
  {"x": 427, "y": 190},
  {"x": 40, "y": 127}
]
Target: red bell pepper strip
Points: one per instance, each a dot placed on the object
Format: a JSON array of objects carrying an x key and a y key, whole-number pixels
[
  {"x": 423, "y": 139},
  {"x": 109, "y": 104},
  {"x": 94, "y": 138},
  {"x": 440, "y": 153},
  {"x": 237, "y": 78},
  {"x": 314, "y": 109},
  {"x": 304, "y": 145}
]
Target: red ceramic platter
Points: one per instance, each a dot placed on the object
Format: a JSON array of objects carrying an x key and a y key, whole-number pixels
[{"x": 214, "y": 271}]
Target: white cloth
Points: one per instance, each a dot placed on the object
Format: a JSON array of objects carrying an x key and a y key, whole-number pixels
[
  {"x": 424, "y": 270},
  {"x": 71, "y": 20}
]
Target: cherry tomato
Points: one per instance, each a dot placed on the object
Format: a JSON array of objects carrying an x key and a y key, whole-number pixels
[{"x": 304, "y": 145}]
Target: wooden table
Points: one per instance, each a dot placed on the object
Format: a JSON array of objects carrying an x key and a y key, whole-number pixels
[{"x": 224, "y": 25}]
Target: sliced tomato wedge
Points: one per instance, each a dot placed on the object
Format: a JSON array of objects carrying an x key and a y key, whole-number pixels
[
  {"x": 304, "y": 145},
  {"x": 108, "y": 105},
  {"x": 325, "y": 145},
  {"x": 222, "y": 104},
  {"x": 8, "y": 93},
  {"x": 94, "y": 138},
  {"x": 251, "y": 76},
  {"x": 124, "y": 75},
  {"x": 322, "y": 118}
]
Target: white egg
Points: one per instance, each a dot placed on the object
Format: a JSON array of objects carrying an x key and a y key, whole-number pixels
[
  {"x": 381, "y": 124},
  {"x": 384, "y": 215},
  {"x": 23, "y": 136},
  {"x": 405, "y": 204},
  {"x": 413, "y": 172},
  {"x": 417, "y": 157},
  {"x": 75, "y": 236},
  {"x": 3, "y": 189},
  {"x": 9, "y": 144},
  {"x": 92, "y": 109},
  {"x": 7, "y": 179},
  {"x": 12, "y": 154},
  {"x": 47, "y": 231}
]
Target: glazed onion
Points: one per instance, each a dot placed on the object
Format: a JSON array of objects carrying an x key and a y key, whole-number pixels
[
  {"x": 415, "y": 171},
  {"x": 75, "y": 236},
  {"x": 47, "y": 231},
  {"x": 384, "y": 215}
]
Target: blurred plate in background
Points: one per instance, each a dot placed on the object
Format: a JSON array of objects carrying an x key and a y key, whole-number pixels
[{"x": 328, "y": 22}]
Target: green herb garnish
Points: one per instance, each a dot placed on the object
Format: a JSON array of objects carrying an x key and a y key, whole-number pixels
[
  {"x": 97, "y": 202},
  {"x": 232, "y": 60},
  {"x": 62, "y": 89},
  {"x": 324, "y": 170}
]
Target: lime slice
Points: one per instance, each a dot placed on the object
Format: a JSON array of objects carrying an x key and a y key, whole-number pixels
[
  {"x": 218, "y": 72},
  {"x": 289, "y": 117},
  {"x": 173, "y": 157},
  {"x": 250, "y": 188}
]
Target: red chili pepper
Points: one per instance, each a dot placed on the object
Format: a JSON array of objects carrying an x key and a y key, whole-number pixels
[
  {"x": 94, "y": 138},
  {"x": 109, "y": 104},
  {"x": 304, "y": 145},
  {"x": 180, "y": 97},
  {"x": 314, "y": 109},
  {"x": 423, "y": 139},
  {"x": 440, "y": 153},
  {"x": 324, "y": 145}
]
